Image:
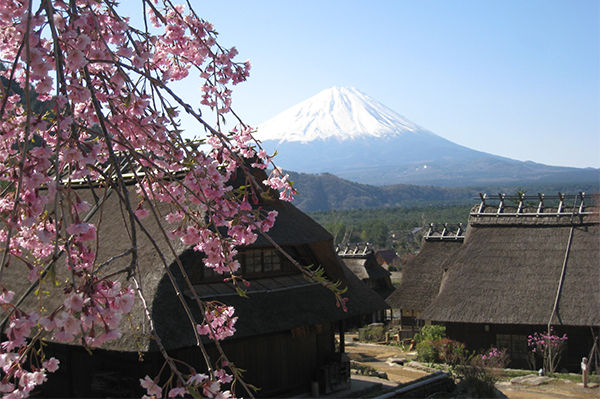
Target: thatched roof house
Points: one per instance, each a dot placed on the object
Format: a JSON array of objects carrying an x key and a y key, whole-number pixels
[
  {"x": 362, "y": 262},
  {"x": 520, "y": 269},
  {"x": 285, "y": 332},
  {"x": 422, "y": 276}
]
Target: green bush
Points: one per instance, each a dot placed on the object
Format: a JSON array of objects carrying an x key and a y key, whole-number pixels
[
  {"x": 374, "y": 333},
  {"x": 427, "y": 352},
  {"x": 428, "y": 343},
  {"x": 446, "y": 351},
  {"x": 431, "y": 333}
]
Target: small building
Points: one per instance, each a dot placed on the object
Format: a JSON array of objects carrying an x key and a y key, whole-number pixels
[
  {"x": 360, "y": 259},
  {"x": 385, "y": 258},
  {"x": 285, "y": 337},
  {"x": 527, "y": 263},
  {"x": 422, "y": 277}
]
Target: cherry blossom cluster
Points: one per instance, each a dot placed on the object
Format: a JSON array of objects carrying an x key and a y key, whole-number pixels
[
  {"x": 189, "y": 41},
  {"x": 492, "y": 354},
  {"x": 218, "y": 321},
  {"x": 277, "y": 180},
  {"x": 541, "y": 342},
  {"x": 197, "y": 385},
  {"x": 24, "y": 381},
  {"x": 549, "y": 347},
  {"x": 104, "y": 108},
  {"x": 97, "y": 314}
]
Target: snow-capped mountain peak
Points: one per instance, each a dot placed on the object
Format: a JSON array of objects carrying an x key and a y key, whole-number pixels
[
  {"x": 337, "y": 113},
  {"x": 347, "y": 133}
]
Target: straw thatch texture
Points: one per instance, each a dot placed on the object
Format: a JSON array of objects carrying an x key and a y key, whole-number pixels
[
  {"x": 421, "y": 278},
  {"x": 509, "y": 270},
  {"x": 366, "y": 268},
  {"x": 114, "y": 239},
  {"x": 357, "y": 266}
]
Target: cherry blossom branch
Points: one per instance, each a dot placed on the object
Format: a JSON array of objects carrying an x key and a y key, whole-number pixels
[{"x": 111, "y": 95}]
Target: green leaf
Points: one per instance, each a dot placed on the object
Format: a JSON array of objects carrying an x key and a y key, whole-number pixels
[
  {"x": 256, "y": 389},
  {"x": 171, "y": 111},
  {"x": 52, "y": 276},
  {"x": 192, "y": 390}
]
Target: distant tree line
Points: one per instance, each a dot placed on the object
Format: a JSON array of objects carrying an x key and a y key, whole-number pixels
[
  {"x": 327, "y": 192},
  {"x": 393, "y": 228}
]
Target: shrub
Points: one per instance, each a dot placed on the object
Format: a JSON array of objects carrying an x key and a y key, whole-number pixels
[
  {"x": 444, "y": 350},
  {"x": 428, "y": 352},
  {"x": 549, "y": 347},
  {"x": 429, "y": 342},
  {"x": 374, "y": 333},
  {"x": 451, "y": 352},
  {"x": 479, "y": 373},
  {"x": 431, "y": 333}
]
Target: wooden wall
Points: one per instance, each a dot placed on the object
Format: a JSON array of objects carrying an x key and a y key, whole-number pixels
[
  {"x": 481, "y": 337},
  {"x": 278, "y": 363}
]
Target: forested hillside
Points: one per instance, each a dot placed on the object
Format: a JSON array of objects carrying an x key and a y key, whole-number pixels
[
  {"x": 395, "y": 216},
  {"x": 326, "y": 192}
]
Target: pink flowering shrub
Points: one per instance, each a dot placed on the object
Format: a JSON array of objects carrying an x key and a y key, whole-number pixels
[
  {"x": 548, "y": 347},
  {"x": 480, "y": 372},
  {"x": 105, "y": 109}
]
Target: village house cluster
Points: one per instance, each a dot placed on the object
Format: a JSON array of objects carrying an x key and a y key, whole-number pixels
[
  {"x": 523, "y": 265},
  {"x": 285, "y": 335},
  {"x": 514, "y": 270}
]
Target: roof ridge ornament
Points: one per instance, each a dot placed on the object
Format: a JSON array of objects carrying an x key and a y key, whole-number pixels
[
  {"x": 447, "y": 234},
  {"x": 547, "y": 206},
  {"x": 358, "y": 249}
]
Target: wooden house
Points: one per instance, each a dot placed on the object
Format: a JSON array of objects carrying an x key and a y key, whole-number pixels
[
  {"x": 422, "y": 277},
  {"x": 285, "y": 331},
  {"x": 385, "y": 258},
  {"x": 361, "y": 260},
  {"x": 523, "y": 267}
]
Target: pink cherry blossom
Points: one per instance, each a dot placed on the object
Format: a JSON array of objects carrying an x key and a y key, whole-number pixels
[
  {"x": 124, "y": 302},
  {"x": 51, "y": 365},
  {"x": 223, "y": 376},
  {"x": 151, "y": 386},
  {"x": 6, "y": 296},
  {"x": 107, "y": 94},
  {"x": 197, "y": 379},
  {"x": 178, "y": 391},
  {"x": 48, "y": 324},
  {"x": 84, "y": 231},
  {"x": 74, "y": 302}
]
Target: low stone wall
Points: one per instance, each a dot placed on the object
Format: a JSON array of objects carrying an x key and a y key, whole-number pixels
[{"x": 422, "y": 388}]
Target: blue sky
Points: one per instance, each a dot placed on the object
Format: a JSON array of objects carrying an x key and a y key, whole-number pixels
[{"x": 520, "y": 79}]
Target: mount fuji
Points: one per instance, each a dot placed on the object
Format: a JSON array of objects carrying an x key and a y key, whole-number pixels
[{"x": 349, "y": 134}]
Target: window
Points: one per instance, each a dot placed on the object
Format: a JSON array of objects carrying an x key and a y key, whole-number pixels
[
  {"x": 255, "y": 262},
  {"x": 259, "y": 261},
  {"x": 516, "y": 345}
]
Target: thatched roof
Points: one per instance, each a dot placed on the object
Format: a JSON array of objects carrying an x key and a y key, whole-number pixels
[
  {"x": 261, "y": 313},
  {"x": 422, "y": 276},
  {"x": 365, "y": 267},
  {"x": 387, "y": 255},
  {"x": 509, "y": 270}
]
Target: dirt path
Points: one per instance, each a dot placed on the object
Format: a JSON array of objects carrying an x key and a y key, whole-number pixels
[{"x": 375, "y": 356}]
